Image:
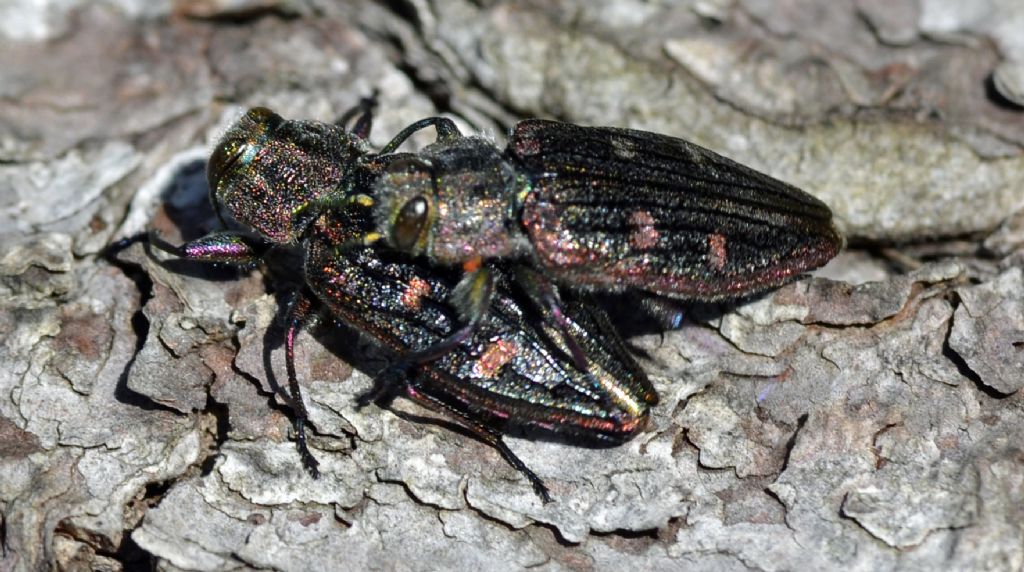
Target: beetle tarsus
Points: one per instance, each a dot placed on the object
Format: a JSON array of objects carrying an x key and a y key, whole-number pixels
[
  {"x": 308, "y": 460},
  {"x": 363, "y": 112},
  {"x": 299, "y": 312},
  {"x": 486, "y": 434}
]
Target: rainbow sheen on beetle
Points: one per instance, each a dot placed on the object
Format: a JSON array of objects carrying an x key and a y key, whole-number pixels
[
  {"x": 305, "y": 184},
  {"x": 602, "y": 209}
]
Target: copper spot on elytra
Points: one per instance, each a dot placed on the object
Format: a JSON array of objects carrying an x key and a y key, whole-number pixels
[
  {"x": 495, "y": 356},
  {"x": 554, "y": 245},
  {"x": 643, "y": 234},
  {"x": 333, "y": 278},
  {"x": 717, "y": 254},
  {"x": 412, "y": 297}
]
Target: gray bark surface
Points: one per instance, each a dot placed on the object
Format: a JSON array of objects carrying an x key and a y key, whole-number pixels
[{"x": 867, "y": 418}]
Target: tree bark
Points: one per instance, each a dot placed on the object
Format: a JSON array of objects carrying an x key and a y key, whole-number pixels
[{"x": 867, "y": 418}]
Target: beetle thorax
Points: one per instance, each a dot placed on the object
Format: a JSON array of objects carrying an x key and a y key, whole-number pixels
[
  {"x": 472, "y": 215},
  {"x": 279, "y": 174}
]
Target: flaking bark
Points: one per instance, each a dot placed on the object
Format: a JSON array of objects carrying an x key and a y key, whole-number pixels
[{"x": 868, "y": 418}]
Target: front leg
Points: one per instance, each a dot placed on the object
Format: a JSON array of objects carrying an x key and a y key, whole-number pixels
[
  {"x": 472, "y": 298},
  {"x": 446, "y": 131},
  {"x": 363, "y": 112}
]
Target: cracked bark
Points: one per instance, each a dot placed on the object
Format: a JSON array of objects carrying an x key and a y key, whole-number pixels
[{"x": 866, "y": 418}]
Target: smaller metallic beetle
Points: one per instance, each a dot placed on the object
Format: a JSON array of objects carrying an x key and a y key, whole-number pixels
[
  {"x": 600, "y": 209},
  {"x": 277, "y": 177}
]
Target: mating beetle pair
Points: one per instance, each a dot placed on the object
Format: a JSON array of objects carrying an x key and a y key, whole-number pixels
[{"x": 590, "y": 208}]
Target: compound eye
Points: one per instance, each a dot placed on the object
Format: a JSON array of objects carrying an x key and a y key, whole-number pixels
[
  {"x": 410, "y": 222},
  {"x": 225, "y": 156}
]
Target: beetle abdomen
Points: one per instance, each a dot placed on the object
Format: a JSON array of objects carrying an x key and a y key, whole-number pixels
[{"x": 611, "y": 209}]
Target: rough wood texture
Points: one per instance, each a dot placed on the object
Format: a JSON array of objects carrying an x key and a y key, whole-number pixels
[{"x": 869, "y": 418}]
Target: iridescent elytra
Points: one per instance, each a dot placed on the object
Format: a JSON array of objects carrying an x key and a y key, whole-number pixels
[
  {"x": 602, "y": 209},
  {"x": 301, "y": 184}
]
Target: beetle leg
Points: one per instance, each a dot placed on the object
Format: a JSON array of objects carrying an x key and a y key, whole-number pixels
[
  {"x": 224, "y": 247},
  {"x": 299, "y": 313},
  {"x": 539, "y": 288},
  {"x": 363, "y": 111},
  {"x": 386, "y": 383},
  {"x": 669, "y": 312},
  {"x": 235, "y": 248},
  {"x": 472, "y": 297},
  {"x": 483, "y": 432},
  {"x": 446, "y": 131},
  {"x": 111, "y": 250}
]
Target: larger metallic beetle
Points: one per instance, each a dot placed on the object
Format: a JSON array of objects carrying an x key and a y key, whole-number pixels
[{"x": 600, "y": 209}]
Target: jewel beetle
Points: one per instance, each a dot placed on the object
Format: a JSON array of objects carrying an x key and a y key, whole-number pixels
[{"x": 600, "y": 209}]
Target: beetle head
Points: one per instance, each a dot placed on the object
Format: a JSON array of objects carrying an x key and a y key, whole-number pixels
[{"x": 451, "y": 202}]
